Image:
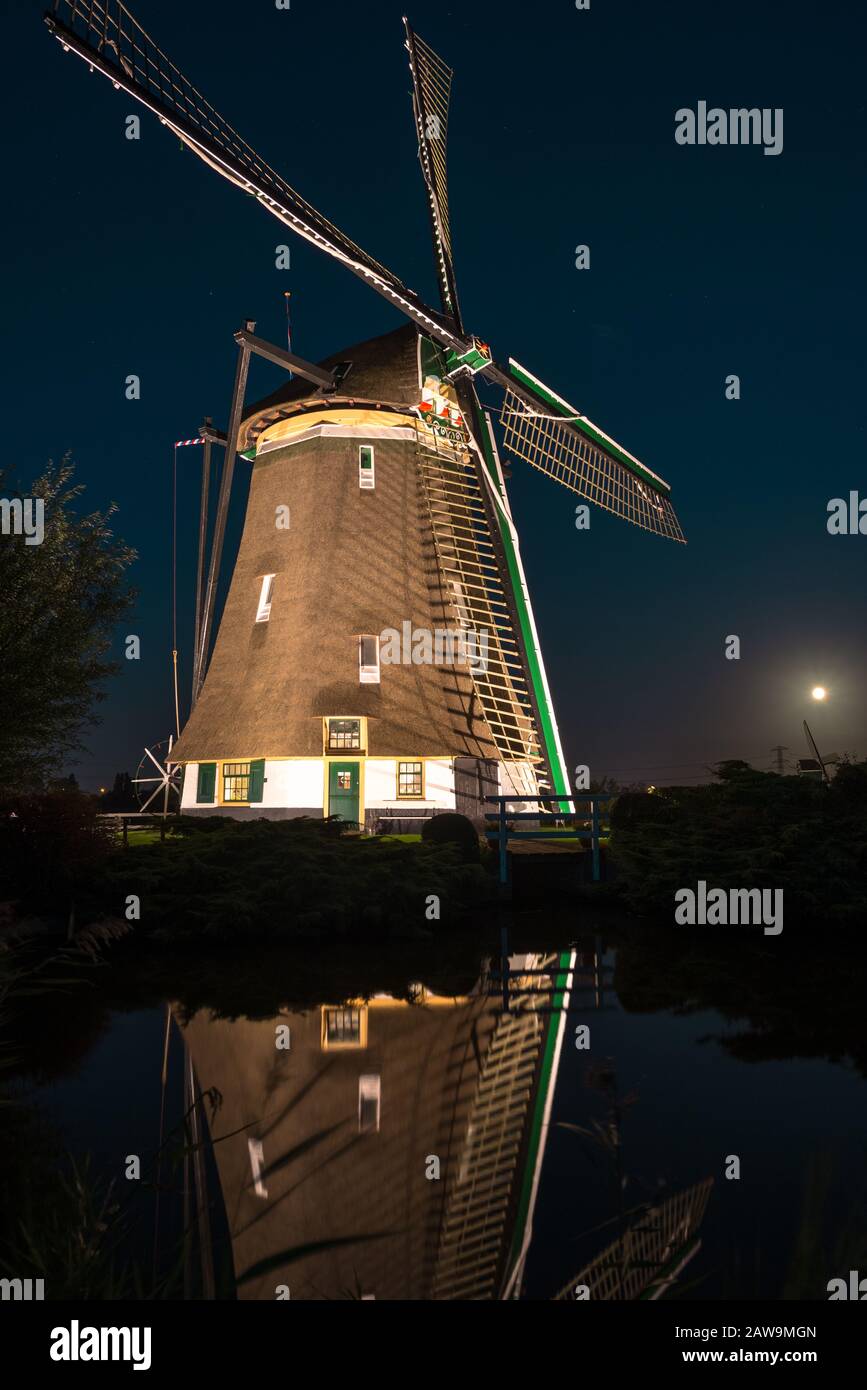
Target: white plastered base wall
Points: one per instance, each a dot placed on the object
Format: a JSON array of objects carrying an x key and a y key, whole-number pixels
[
  {"x": 380, "y": 785},
  {"x": 299, "y": 784},
  {"x": 290, "y": 783}
]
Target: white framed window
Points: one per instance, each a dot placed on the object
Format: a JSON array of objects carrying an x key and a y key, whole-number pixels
[
  {"x": 236, "y": 782},
  {"x": 368, "y": 660},
  {"x": 343, "y": 1027},
  {"x": 263, "y": 612},
  {"x": 365, "y": 466},
  {"x": 369, "y": 1093},
  {"x": 343, "y": 734},
  {"x": 410, "y": 779}
]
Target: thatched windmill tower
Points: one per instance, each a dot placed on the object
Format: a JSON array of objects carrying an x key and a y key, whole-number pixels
[
  {"x": 346, "y": 676},
  {"x": 378, "y": 655}
]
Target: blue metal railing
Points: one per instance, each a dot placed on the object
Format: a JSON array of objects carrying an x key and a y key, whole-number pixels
[{"x": 502, "y": 833}]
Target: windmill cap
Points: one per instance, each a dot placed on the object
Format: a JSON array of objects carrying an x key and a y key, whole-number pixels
[{"x": 384, "y": 369}]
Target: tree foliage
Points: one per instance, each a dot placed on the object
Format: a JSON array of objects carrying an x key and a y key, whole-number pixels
[
  {"x": 60, "y": 602},
  {"x": 749, "y": 829}
]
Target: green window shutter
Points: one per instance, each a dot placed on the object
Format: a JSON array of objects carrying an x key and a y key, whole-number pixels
[
  {"x": 207, "y": 782},
  {"x": 257, "y": 779}
]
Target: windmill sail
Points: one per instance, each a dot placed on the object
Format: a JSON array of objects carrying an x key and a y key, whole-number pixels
[
  {"x": 478, "y": 1216},
  {"x": 108, "y": 37},
  {"x": 468, "y": 564},
  {"x": 558, "y": 441},
  {"x": 645, "y": 1260},
  {"x": 561, "y": 442},
  {"x": 432, "y": 83},
  {"x": 467, "y": 513}
]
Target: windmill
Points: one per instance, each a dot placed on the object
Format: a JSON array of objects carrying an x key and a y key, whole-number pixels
[
  {"x": 429, "y": 525},
  {"x": 158, "y": 779},
  {"x": 817, "y": 764}
]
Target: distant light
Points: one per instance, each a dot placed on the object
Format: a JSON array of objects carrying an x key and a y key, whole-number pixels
[
  {"x": 102, "y": 791},
  {"x": 651, "y": 787},
  {"x": 819, "y": 692}
]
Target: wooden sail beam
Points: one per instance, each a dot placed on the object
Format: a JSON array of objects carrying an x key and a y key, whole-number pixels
[
  {"x": 117, "y": 46},
  {"x": 431, "y": 83}
]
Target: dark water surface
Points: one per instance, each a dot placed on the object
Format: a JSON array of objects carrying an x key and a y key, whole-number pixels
[{"x": 402, "y": 1063}]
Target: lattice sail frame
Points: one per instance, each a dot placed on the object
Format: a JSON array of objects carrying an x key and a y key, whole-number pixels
[
  {"x": 108, "y": 26},
  {"x": 432, "y": 84},
  {"x": 468, "y": 567},
  {"x": 479, "y": 1203},
  {"x": 639, "y": 1263},
  {"x": 572, "y": 452},
  {"x": 108, "y": 37}
]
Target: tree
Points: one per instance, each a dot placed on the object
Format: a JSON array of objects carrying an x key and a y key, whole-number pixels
[
  {"x": 60, "y": 601},
  {"x": 64, "y": 784},
  {"x": 122, "y": 796}
]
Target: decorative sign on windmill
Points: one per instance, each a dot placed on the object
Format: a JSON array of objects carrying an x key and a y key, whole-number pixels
[{"x": 377, "y": 504}]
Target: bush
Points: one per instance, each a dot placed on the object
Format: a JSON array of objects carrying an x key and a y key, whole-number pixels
[
  {"x": 749, "y": 829},
  {"x": 51, "y": 846},
  {"x": 280, "y": 879},
  {"x": 632, "y": 809},
  {"x": 451, "y": 828}
]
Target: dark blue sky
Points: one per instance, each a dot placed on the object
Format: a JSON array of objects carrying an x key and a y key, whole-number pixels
[{"x": 132, "y": 257}]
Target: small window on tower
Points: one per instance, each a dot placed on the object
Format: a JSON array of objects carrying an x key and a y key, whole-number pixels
[
  {"x": 263, "y": 612},
  {"x": 368, "y": 660},
  {"x": 365, "y": 466}
]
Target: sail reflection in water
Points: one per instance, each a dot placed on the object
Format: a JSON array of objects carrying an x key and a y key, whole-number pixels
[{"x": 328, "y": 1151}]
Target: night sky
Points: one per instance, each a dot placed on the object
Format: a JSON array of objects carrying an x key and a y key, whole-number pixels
[{"x": 132, "y": 257}]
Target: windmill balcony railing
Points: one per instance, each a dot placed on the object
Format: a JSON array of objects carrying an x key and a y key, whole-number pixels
[{"x": 565, "y": 824}]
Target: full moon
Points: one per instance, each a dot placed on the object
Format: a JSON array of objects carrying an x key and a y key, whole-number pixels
[{"x": 819, "y": 692}]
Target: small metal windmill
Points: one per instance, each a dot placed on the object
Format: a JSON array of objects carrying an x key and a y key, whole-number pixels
[
  {"x": 818, "y": 763},
  {"x": 474, "y": 529},
  {"x": 158, "y": 779}
]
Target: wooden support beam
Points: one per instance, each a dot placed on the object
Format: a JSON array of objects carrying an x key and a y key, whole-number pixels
[
  {"x": 209, "y": 603},
  {"x": 200, "y": 568},
  {"x": 320, "y": 376}
]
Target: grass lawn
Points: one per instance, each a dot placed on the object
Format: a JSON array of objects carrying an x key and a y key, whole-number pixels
[{"x": 140, "y": 837}]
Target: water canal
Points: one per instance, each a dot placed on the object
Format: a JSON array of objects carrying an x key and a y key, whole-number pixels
[{"x": 376, "y": 1124}]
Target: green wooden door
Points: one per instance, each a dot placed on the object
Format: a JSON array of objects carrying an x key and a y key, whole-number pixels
[{"x": 343, "y": 790}]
